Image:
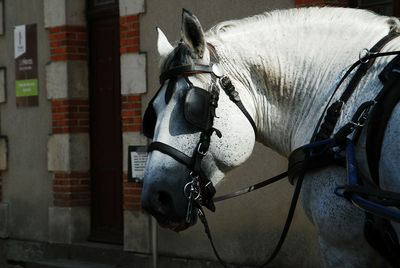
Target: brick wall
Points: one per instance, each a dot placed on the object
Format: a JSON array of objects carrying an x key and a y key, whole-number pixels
[
  {"x": 132, "y": 192},
  {"x": 304, "y": 3},
  {"x": 70, "y": 115},
  {"x": 68, "y": 43},
  {"x": 131, "y": 105},
  {"x": 71, "y": 189},
  {"x": 131, "y": 113},
  {"x": 129, "y": 34}
]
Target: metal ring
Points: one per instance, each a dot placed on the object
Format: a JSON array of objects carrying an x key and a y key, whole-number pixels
[
  {"x": 185, "y": 188},
  {"x": 188, "y": 191},
  {"x": 197, "y": 197}
]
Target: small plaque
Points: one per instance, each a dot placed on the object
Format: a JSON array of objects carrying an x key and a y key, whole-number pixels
[{"x": 137, "y": 158}]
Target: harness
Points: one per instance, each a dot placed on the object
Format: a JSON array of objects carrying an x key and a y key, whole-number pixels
[
  {"x": 380, "y": 206},
  {"x": 325, "y": 148}
]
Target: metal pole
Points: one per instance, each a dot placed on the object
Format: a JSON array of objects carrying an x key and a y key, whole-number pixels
[{"x": 154, "y": 246}]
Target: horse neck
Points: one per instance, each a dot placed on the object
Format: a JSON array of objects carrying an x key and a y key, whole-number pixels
[{"x": 286, "y": 76}]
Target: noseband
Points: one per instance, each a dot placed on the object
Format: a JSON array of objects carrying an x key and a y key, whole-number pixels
[{"x": 199, "y": 190}]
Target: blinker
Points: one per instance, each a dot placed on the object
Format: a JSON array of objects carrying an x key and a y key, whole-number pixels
[{"x": 197, "y": 108}]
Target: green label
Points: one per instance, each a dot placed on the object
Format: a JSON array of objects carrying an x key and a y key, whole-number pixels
[{"x": 27, "y": 87}]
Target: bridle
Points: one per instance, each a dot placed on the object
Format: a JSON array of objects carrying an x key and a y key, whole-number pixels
[{"x": 199, "y": 190}]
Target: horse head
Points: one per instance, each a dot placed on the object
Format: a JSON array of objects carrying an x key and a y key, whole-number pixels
[{"x": 198, "y": 134}]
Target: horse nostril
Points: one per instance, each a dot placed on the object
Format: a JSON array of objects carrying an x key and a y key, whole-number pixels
[
  {"x": 164, "y": 202},
  {"x": 163, "y": 197}
]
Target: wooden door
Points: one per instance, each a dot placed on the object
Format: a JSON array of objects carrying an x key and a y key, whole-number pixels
[
  {"x": 105, "y": 121},
  {"x": 396, "y": 8}
]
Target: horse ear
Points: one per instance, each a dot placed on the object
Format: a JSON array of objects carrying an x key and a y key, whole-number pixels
[
  {"x": 192, "y": 33},
  {"x": 163, "y": 45}
]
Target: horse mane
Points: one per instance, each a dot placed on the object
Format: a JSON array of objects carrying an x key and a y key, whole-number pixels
[
  {"x": 302, "y": 16},
  {"x": 306, "y": 17},
  {"x": 272, "y": 51}
]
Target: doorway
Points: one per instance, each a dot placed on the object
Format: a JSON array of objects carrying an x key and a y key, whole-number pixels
[
  {"x": 105, "y": 121},
  {"x": 384, "y": 7}
]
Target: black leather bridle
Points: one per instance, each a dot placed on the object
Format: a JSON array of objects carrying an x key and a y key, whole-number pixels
[{"x": 199, "y": 190}]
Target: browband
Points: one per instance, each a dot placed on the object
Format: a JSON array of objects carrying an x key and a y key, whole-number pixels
[{"x": 187, "y": 70}]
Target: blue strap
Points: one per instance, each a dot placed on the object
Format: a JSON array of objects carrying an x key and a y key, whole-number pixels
[{"x": 371, "y": 206}]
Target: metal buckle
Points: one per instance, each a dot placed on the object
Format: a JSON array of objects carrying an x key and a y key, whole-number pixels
[
  {"x": 200, "y": 151},
  {"x": 367, "y": 53},
  {"x": 356, "y": 125},
  {"x": 362, "y": 118}
]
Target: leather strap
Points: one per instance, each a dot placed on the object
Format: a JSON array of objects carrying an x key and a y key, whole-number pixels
[
  {"x": 252, "y": 187},
  {"x": 288, "y": 222},
  {"x": 185, "y": 70},
  {"x": 171, "y": 151}
]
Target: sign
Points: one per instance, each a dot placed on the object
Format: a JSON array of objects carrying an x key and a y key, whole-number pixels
[
  {"x": 137, "y": 158},
  {"x": 26, "y": 70}
]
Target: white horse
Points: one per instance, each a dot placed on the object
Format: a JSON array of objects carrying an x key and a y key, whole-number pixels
[{"x": 285, "y": 65}]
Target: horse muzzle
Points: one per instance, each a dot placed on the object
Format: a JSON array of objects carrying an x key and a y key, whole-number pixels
[{"x": 170, "y": 210}]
